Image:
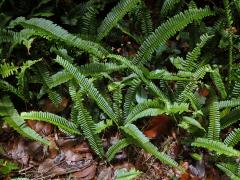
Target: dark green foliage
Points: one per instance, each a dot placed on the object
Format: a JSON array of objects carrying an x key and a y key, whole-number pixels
[{"x": 178, "y": 69}]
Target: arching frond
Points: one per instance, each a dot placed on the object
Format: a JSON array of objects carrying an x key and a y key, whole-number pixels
[
  {"x": 141, "y": 140},
  {"x": 233, "y": 138},
  {"x": 53, "y": 119},
  {"x": 7, "y": 69},
  {"x": 115, "y": 148},
  {"x": 229, "y": 169},
  {"x": 48, "y": 29},
  {"x": 116, "y": 14},
  {"x": 216, "y": 146},
  {"x": 231, "y": 118},
  {"x": 88, "y": 86},
  {"x": 166, "y": 30},
  {"x": 11, "y": 117}
]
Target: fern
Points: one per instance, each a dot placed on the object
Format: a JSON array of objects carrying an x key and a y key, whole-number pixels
[
  {"x": 122, "y": 174},
  {"x": 217, "y": 79},
  {"x": 116, "y": 14},
  {"x": 228, "y": 103},
  {"x": 115, "y": 148},
  {"x": 229, "y": 169},
  {"x": 190, "y": 63},
  {"x": 236, "y": 89},
  {"x": 166, "y": 30},
  {"x": 141, "y": 140},
  {"x": 143, "y": 107},
  {"x": 48, "y": 29},
  {"x": 216, "y": 146},
  {"x": 168, "y": 5},
  {"x": 214, "y": 122},
  {"x": 22, "y": 84},
  {"x": 192, "y": 122},
  {"x": 88, "y": 86},
  {"x": 88, "y": 126},
  {"x": 53, "y": 119},
  {"x": 11, "y": 117},
  {"x": 129, "y": 98},
  {"x": 5, "y": 86},
  {"x": 7, "y": 69},
  {"x": 233, "y": 138},
  {"x": 231, "y": 118}
]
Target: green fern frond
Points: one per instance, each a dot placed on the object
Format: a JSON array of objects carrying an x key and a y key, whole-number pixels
[
  {"x": 233, "y": 138},
  {"x": 47, "y": 29},
  {"x": 88, "y": 86},
  {"x": 231, "y": 118},
  {"x": 59, "y": 78},
  {"x": 236, "y": 89},
  {"x": 141, "y": 140},
  {"x": 166, "y": 30},
  {"x": 115, "y": 148},
  {"x": 102, "y": 125},
  {"x": 192, "y": 122},
  {"x": 129, "y": 97},
  {"x": 214, "y": 122},
  {"x": 217, "y": 79},
  {"x": 148, "y": 106},
  {"x": 229, "y": 169},
  {"x": 144, "y": 17},
  {"x": 22, "y": 84},
  {"x": 216, "y": 146},
  {"x": 5, "y": 86},
  {"x": 7, "y": 69},
  {"x": 123, "y": 174},
  {"x": 193, "y": 100},
  {"x": 88, "y": 126},
  {"x": 116, "y": 14},
  {"x": 53, "y": 119},
  {"x": 12, "y": 118},
  {"x": 190, "y": 63},
  {"x": 139, "y": 70},
  {"x": 88, "y": 27},
  {"x": 228, "y": 103},
  {"x": 168, "y": 5}
]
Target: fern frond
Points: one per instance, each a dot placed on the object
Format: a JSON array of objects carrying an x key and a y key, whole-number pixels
[
  {"x": 116, "y": 14},
  {"x": 233, "y": 138},
  {"x": 216, "y": 146},
  {"x": 123, "y": 174},
  {"x": 130, "y": 95},
  {"x": 145, "y": 19},
  {"x": 88, "y": 86},
  {"x": 22, "y": 84},
  {"x": 59, "y": 78},
  {"x": 12, "y": 118},
  {"x": 228, "y": 103},
  {"x": 5, "y": 86},
  {"x": 47, "y": 29},
  {"x": 217, "y": 80},
  {"x": 192, "y": 122},
  {"x": 155, "y": 106},
  {"x": 7, "y": 69},
  {"x": 53, "y": 119},
  {"x": 214, "y": 122},
  {"x": 190, "y": 63},
  {"x": 141, "y": 140},
  {"x": 102, "y": 125},
  {"x": 166, "y": 30},
  {"x": 229, "y": 169},
  {"x": 231, "y": 118},
  {"x": 236, "y": 90},
  {"x": 115, "y": 148},
  {"x": 88, "y": 126},
  {"x": 140, "y": 72},
  {"x": 117, "y": 104},
  {"x": 168, "y": 5}
]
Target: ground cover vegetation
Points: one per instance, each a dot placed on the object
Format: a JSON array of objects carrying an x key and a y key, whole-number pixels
[{"x": 155, "y": 84}]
